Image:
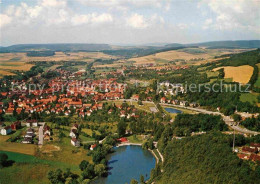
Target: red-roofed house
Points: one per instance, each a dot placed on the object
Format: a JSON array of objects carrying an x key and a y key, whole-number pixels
[{"x": 92, "y": 147}]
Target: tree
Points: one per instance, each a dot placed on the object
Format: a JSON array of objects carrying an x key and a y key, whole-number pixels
[
  {"x": 83, "y": 165},
  {"x": 100, "y": 169},
  {"x": 3, "y": 159},
  {"x": 236, "y": 117},
  {"x": 88, "y": 173},
  {"x": 56, "y": 177},
  {"x": 142, "y": 179},
  {"x": 121, "y": 128},
  {"x": 133, "y": 181}
]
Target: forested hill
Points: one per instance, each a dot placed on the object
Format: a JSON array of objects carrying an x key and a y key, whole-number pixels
[
  {"x": 205, "y": 159},
  {"x": 229, "y": 44},
  {"x": 55, "y": 47},
  {"x": 244, "y": 58}
]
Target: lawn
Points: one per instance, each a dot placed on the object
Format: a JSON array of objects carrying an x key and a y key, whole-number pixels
[
  {"x": 257, "y": 83},
  {"x": 135, "y": 139},
  {"x": 248, "y": 97},
  {"x": 28, "y": 149},
  {"x": 30, "y": 169}
]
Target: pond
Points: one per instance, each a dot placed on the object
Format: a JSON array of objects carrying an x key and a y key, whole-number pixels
[
  {"x": 127, "y": 163},
  {"x": 172, "y": 110}
]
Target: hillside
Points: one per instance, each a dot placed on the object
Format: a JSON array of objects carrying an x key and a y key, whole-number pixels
[
  {"x": 229, "y": 44},
  {"x": 55, "y": 47},
  {"x": 205, "y": 159}
]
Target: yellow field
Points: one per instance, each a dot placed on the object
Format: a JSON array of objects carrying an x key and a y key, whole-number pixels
[
  {"x": 59, "y": 56},
  {"x": 3, "y": 72},
  {"x": 241, "y": 74},
  {"x": 208, "y": 56},
  {"x": 168, "y": 56}
]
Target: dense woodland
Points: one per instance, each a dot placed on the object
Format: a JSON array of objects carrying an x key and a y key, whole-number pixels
[{"x": 204, "y": 159}]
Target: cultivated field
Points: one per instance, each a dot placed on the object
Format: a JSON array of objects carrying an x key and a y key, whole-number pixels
[
  {"x": 241, "y": 74},
  {"x": 189, "y": 55}
]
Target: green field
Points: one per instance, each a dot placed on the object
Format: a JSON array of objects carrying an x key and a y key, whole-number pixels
[
  {"x": 248, "y": 97},
  {"x": 257, "y": 83},
  {"x": 30, "y": 169}
]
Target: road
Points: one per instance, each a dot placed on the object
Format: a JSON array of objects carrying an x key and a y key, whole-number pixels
[
  {"x": 40, "y": 135},
  {"x": 228, "y": 120}
]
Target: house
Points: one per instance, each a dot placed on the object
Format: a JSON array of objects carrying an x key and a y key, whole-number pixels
[
  {"x": 122, "y": 139},
  {"x": 46, "y": 137},
  {"x": 135, "y": 97},
  {"x": 249, "y": 150},
  {"x": 163, "y": 100},
  {"x": 255, "y": 145},
  {"x": 183, "y": 103},
  {"x": 16, "y": 125},
  {"x": 73, "y": 133},
  {"x": 75, "y": 126},
  {"x": 32, "y": 123},
  {"x": 47, "y": 130},
  {"x": 243, "y": 156},
  {"x": 75, "y": 142},
  {"x": 6, "y": 130},
  {"x": 30, "y": 131},
  {"x": 27, "y": 140},
  {"x": 110, "y": 111},
  {"x": 92, "y": 147},
  {"x": 254, "y": 157},
  {"x": 193, "y": 104}
]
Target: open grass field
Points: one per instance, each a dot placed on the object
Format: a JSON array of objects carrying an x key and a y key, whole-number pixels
[
  {"x": 30, "y": 169},
  {"x": 249, "y": 97},
  {"x": 257, "y": 84},
  {"x": 28, "y": 149},
  {"x": 241, "y": 74}
]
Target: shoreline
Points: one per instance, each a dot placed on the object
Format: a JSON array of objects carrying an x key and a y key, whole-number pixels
[{"x": 139, "y": 144}]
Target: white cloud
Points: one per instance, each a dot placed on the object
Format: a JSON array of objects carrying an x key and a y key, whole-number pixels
[
  {"x": 230, "y": 15},
  {"x": 4, "y": 20},
  {"x": 183, "y": 26},
  {"x": 127, "y": 4},
  {"x": 54, "y": 3},
  {"x": 102, "y": 18},
  {"x": 207, "y": 23},
  {"x": 93, "y": 18},
  {"x": 137, "y": 21}
]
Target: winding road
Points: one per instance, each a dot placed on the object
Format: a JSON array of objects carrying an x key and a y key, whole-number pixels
[{"x": 228, "y": 120}]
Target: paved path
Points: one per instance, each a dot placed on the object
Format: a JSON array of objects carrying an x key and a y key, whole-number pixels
[{"x": 40, "y": 135}]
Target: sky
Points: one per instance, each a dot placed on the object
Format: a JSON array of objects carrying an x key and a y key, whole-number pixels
[{"x": 127, "y": 21}]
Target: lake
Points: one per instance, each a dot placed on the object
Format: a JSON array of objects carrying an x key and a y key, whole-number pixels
[
  {"x": 126, "y": 163},
  {"x": 172, "y": 110}
]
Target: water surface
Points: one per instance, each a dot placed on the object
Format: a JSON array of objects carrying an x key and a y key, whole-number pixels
[
  {"x": 126, "y": 163},
  {"x": 172, "y": 110}
]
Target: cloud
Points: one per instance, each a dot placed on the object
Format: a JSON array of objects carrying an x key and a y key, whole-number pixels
[
  {"x": 4, "y": 20},
  {"x": 50, "y": 12},
  {"x": 54, "y": 3},
  {"x": 137, "y": 21},
  {"x": 127, "y": 4},
  {"x": 207, "y": 23},
  {"x": 230, "y": 15},
  {"x": 92, "y": 18},
  {"x": 183, "y": 26}
]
